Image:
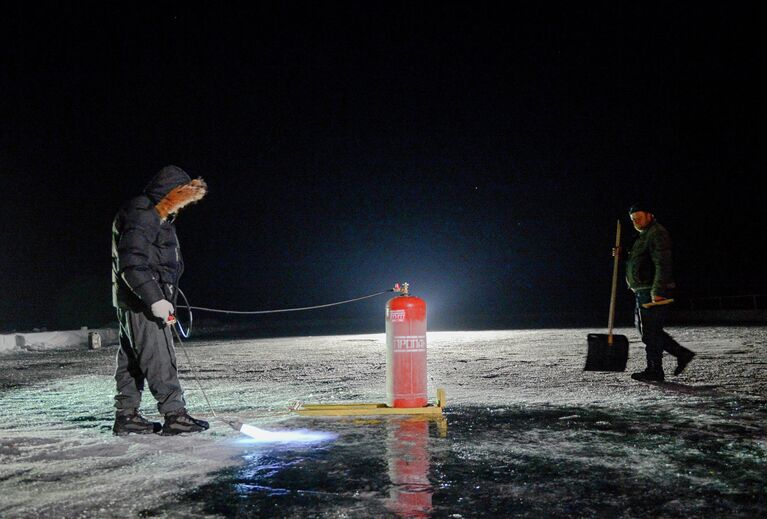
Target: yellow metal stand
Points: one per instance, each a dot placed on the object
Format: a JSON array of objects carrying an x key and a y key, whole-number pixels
[{"x": 372, "y": 409}]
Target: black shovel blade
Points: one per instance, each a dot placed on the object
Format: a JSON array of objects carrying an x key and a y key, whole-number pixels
[{"x": 603, "y": 356}]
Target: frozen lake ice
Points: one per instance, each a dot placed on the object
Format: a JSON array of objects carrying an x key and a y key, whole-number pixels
[{"x": 529, "y": 433}]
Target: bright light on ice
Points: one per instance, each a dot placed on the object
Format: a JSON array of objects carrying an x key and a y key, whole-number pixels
[{"x": 295, "y": 436}]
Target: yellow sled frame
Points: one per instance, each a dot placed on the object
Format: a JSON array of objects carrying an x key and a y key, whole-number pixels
[{"x": 373, "y": 409}]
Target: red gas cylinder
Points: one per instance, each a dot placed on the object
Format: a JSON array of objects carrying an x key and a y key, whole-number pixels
[{"x": 406, "y": 351}]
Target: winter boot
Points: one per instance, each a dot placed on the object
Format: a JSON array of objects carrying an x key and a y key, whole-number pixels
[
  {"x": 683, "y": 360},
  {"x": 129, "y": 421},
  {"x": 177, "y": 422},
  {"x": 652, "y": 373}
]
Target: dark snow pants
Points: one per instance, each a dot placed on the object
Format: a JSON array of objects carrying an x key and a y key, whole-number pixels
[
  {"x": 146, "y": 354},
  {"x": 649, "y": 322}
]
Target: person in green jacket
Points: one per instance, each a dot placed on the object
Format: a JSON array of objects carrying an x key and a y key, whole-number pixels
[{"x": 649, "y": 276}]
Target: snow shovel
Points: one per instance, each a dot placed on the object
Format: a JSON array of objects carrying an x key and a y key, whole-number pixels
[{"x": 608, "y": 352}]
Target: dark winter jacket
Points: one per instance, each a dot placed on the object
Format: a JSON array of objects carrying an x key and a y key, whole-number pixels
[
  {"x": 649, "y": 262},
  {"x": 146, "y": 259}
]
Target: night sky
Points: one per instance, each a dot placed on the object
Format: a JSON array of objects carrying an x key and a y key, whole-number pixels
[{"x": 481, "y": 153}]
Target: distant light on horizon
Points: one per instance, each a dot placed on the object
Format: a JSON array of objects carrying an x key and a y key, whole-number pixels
[{"x": 258, "y": 435}]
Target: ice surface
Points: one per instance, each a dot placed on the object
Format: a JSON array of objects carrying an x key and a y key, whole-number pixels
[{"x": 529, "y": 433}]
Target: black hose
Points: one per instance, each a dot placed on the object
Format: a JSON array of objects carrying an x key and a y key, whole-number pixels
[{"x": 189, "y": 309}]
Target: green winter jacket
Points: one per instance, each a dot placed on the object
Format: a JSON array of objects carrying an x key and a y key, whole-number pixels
[{"x": 649, "y": 262}]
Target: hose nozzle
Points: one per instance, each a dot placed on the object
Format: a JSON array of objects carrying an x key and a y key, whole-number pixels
[{"x": 234, "y": 424}]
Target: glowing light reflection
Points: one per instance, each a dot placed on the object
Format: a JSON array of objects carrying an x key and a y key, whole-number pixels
[{"x": 257, "y": 435}]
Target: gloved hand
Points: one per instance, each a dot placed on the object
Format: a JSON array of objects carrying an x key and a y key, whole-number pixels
[{"x": 162, "y": 309}]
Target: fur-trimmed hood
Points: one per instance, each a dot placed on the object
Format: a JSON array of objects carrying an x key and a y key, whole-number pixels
[{"x": 172, "y": 189}]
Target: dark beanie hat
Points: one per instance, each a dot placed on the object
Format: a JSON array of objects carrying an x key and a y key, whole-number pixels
[{"x": 640, "y": 206}]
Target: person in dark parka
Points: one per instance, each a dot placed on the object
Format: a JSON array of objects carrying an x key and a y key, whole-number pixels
[
  {"x": 146, "y": 267},
  {"x": 649, "y": 276}
]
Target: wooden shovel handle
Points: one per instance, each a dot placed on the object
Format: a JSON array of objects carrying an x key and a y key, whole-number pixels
[{"x": 615, "y": 284}]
